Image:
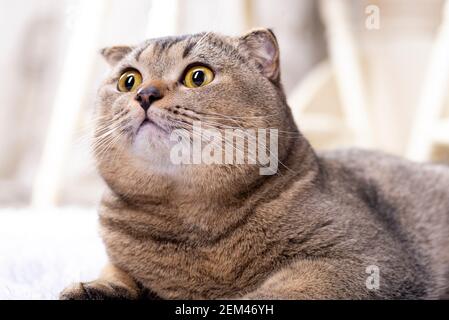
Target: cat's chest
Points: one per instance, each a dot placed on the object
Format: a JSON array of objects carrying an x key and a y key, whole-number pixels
[{"x": 174, "y": 270}]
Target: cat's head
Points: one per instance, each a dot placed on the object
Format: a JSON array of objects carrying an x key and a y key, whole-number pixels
[{"x": 172, "y": 83}]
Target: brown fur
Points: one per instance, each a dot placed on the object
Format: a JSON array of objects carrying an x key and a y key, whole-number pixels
[{"x": 221, "y": 231}]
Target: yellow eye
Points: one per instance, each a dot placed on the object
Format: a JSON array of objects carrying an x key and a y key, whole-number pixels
[
  {"x": 129, "y": 81},
  {"x": 198, "y": 76}
]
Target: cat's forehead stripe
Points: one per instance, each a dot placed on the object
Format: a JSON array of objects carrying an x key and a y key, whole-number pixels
[
  {"x": 194, "y": 40},
  {"x": 140, "y": 50},
  {"x": 188, "y": 48},
  {"x": 162, "y": 45}
]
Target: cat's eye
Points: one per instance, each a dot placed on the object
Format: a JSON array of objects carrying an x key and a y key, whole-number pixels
[
  {"x": 129, "y": 81},
  {"x": 198, "y": 76}
]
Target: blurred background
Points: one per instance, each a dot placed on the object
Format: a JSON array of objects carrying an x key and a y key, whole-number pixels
[
  {"x": 357, "y": 73},
  {"x": 372, "y": 74}
]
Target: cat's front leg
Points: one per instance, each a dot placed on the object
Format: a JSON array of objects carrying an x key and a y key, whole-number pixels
[
  {"x": 316, "y": 279},
  {"x": 113, "y": 284}
]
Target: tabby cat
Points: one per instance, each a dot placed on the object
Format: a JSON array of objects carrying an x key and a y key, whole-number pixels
[{"x": 334, "y": 225}]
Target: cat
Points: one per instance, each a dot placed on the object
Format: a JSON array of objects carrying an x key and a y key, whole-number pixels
[{"x": 347, "y": 224}]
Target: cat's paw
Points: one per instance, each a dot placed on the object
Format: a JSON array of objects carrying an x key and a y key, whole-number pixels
[{"x": 96, "y": 290}]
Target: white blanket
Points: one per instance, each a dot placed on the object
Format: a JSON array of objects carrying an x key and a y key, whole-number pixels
[{"x": 42, "y": 251}]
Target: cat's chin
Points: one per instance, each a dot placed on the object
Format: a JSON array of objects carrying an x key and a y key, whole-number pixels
[
  {"x": 151, "y": 147},
  {"x": 150, "y": 135}
]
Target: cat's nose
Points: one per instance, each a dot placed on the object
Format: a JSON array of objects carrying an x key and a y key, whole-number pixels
[{"x": 146, "y": 96}]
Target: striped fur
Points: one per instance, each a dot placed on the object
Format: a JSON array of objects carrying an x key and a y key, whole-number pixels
[{"x": 206, "y": 232}]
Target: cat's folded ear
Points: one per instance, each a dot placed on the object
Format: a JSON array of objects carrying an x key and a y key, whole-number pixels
[
  {"x": 113, "y": 55},
  {"x": 261, "y": 45}
]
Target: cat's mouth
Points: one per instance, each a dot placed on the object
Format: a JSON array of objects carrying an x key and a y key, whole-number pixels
[{"x": 149, "y": 124}]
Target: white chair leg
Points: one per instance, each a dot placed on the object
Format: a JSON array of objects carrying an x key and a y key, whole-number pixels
[
  {"x": 433, "y": 95},
  {"x": 82, "y": 52},
  {"x": 346, "y": 63}
]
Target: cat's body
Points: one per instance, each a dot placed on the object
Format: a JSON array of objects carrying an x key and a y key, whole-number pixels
[
  {"x": 308, "y": 232},
  {"x": 360, "y": 209}
]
